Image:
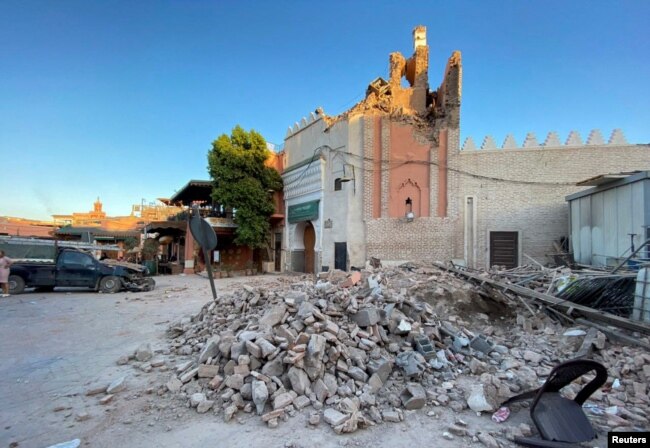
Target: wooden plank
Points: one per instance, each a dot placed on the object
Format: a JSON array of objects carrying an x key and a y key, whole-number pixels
[
  {"x": 615, "y": 335},
  {"x": 551, "y": 300}
]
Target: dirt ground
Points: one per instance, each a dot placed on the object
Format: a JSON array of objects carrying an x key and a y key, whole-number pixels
[{"x": 55, "y": 346}]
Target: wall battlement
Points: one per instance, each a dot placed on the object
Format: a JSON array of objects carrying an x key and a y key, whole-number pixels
[
  {"x": 305, "y": 122},
  {"x": 552, "y": 140}
]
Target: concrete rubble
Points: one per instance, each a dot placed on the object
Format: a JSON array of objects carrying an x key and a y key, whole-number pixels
[{"x": 363, "y": 349}]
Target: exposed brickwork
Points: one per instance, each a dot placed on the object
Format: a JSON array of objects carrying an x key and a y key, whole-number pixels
[
  {"x": 422, "y": 239},
  {"x": 368, "y": 172},
  {"x": 385, "y": 165}
]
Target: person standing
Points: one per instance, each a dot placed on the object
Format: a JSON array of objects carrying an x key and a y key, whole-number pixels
[{"x": 5, "y": 262}]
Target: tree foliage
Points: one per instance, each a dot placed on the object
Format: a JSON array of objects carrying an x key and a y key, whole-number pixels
[
  {"x": 243, "y": 182},
  {"x": 130, "y": 243},
  {"x": 150, "y": 249}
]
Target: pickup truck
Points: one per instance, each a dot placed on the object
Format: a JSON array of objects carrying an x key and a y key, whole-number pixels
[{"x": 75, "y": 268}]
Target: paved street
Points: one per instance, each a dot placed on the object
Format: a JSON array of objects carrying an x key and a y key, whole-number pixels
[{"x": 52, "y": 345}]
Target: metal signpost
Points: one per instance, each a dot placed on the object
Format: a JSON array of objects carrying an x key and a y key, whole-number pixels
[{"x": 204, "y": 235}]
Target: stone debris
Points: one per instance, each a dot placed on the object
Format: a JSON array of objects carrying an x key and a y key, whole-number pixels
[
  {"x": 334, "y": 417},
  {"x": 197, "y": 398},
  {"x": 413, "y": 397},
  {"x": 487, "y": 440},
  {"x": 478, "y": 401},
  {"x": 260, "y": 395},
  {"x": 106, "y": 399},
  {"x": 391, "y": 416},
  {"x": 117, "y": 386},
  {"x": 144, "y": 352},
  {"x": 174, "y": 385},
  {"x": 314, "y": 418},
  {"x": 96, "y": 390},
  {"x": 208, "y": 371},
  {"x": 82, "y": 416},
  {"x": 204, "y": 406},
  {"x": 365, "y": 348},
  {"x": 157, "y": 362}
]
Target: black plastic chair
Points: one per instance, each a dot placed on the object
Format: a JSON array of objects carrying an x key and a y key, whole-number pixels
[{"x": 561, "y": 422}]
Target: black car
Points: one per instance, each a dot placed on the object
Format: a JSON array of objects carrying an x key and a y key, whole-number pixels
[{"x": 75, "y": 268}]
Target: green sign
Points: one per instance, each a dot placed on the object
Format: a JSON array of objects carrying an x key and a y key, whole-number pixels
[{"x": 306, "y": 211}]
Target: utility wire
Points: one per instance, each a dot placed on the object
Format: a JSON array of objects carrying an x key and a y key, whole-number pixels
[
  {"x": 466, "y": 173},
  {"x": 392, "y": 165},
  {"x": 313, "y": 157}
]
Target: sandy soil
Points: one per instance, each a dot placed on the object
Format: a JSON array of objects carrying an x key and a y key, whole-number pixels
[{"x": 56, "y": 346}]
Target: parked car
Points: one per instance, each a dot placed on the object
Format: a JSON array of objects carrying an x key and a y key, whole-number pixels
[{"x": 76, "y": 268}]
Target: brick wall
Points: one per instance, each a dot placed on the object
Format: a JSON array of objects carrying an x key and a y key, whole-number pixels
[
  {"x": 532, "y": 200},
  {"x": 520, "y": 189},
  {"x": 398, "y": 240}
]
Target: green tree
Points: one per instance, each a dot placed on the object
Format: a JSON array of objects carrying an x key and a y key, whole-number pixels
[
  {"x": 150, "y": 249},
  {"x": 130, "y": 243},
  {"x": 241, "y": 181}
]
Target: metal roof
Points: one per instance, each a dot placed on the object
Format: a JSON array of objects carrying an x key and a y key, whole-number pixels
[
  {"x": 602, "y": 179},
  {"x": 606, "y": 181},
  {"x": 97, "y": 231},
  {"x": 194, "y": 190}
]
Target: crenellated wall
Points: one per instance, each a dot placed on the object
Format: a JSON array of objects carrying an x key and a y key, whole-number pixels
[
  {"x": 523, "y": 189},
  {"x": 552, "y": 140}
]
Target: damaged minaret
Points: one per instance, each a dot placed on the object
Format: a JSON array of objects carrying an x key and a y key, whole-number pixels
[
  {"x": 415, "y": 69},
  {"x": 442, "y": 104}
]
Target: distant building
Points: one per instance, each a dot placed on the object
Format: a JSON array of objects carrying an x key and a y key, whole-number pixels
[
  {"x": 91, "y": 218},
  {"x": 155, "y": 211},
  {"x": 26, "y": 227},
  {"x": 179, "y": 245},
  {"x": 91, "y": 226}
]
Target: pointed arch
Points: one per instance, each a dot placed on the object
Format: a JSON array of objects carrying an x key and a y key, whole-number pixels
[{"x": 408, "y": 188}]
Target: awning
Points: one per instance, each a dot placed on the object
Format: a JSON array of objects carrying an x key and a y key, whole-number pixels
[
  {"x": 194, "y": 190},
  {"x": 97, "y": 232},
  {"x": 158, "y": 226}
]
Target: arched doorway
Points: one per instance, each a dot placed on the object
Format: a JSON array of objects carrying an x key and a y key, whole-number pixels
[{"x": 309, "y": 240}]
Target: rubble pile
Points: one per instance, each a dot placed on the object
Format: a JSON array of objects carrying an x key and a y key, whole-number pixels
[{"x": 363, "y": 348}]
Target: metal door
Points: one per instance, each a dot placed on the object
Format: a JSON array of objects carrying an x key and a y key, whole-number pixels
[
  {"x": 341, "y": 256},
  {"x": 309, "y": 241},
  {"x": 504, "y": 249},
  {"x": 278, "y": 252}
]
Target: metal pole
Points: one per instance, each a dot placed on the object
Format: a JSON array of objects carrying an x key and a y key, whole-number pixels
[
  {"x": 647, "y": 243},
  {"x": 208, "y": 265},
  {"x": 632, "y": 235}
]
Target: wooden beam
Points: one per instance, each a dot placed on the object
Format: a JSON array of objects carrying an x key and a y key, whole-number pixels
[{"x": 615, "y": 335}]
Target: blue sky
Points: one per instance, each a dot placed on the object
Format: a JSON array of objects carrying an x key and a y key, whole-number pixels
[{"x": 122, "y": 99}]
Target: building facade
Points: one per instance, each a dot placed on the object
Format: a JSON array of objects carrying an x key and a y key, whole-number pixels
[
  {"x": 389, "y": 179},
  {"x": 228, "y": 255}
]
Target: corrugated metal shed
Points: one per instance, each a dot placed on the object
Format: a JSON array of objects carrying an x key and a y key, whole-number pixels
[{"x": 602, "y": 218}]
